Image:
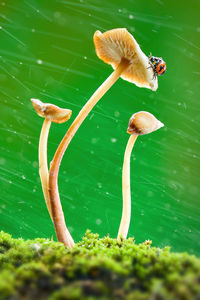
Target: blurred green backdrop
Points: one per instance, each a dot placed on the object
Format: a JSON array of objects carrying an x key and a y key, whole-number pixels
[{"x": 47, "y": 52}]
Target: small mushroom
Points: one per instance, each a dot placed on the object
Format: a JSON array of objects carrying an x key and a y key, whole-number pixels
[
  {"x": 50, "y": 113},
  {"x": 139, "y": 124},
  {"x": 118, "y": 48}
]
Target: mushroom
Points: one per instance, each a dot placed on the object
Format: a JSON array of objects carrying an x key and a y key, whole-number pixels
[
  {"x": 139, "y": 124},
  {"x": 50, "y": 113},
  {"x": 118, "y": 48}
]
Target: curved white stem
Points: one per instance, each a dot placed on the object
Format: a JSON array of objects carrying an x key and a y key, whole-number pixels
[
  {"x": 43, "y": 165},
  {"x": 126, "y": 212}
]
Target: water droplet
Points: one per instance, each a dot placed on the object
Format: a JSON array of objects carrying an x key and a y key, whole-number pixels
[
  {"x": 94, "y": 140},
  {"x": 98, "y": 221},
  {"x": 39, "y": 61},
  {"x": 116, "y": 113},
  {"x": 71, "y": 229},
  {"x": 35, "y": 164},
  {"x": 36, "y": 246},
  {"x": 99, "y": 185},
  {"x": 57, "y": 14},
  {"x": 113, "y": 140}
]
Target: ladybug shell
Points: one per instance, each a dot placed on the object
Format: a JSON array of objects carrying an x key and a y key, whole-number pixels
[{"x": 160, "y": 68}]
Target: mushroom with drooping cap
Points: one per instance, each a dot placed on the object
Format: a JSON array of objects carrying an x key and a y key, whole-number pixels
[
  {"x": 139, "y": 124},
  {"x": 118, "y": 48},
  {"x": 50, "y": 113}
]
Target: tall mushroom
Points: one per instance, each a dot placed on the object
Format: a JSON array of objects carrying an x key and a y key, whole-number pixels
[
  {"x": 139, "y": 124},
  {"x": 50, "y": 113},
  {"x": 118, "y": 48}
]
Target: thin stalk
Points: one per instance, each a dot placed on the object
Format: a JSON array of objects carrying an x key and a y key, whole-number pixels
[
  {"x": 44, "y": 173},
  {"x": 126, "y": 191},
  {"x": 43, "y": 165},
  {"x": 58, "y": 216}
]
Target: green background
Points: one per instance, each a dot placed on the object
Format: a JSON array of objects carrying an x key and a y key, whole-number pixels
[{"x": 47, "y": 52}]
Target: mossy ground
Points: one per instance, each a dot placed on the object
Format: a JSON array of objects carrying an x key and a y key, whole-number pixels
[{"x": 95, "y": 269}]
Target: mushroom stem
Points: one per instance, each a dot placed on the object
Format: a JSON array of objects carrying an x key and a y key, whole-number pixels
[
  {"x": 57, "y": 215},
  {"x": 126, "y": 212},
  {"x": 43, "y": 165},
  {"x": 44, "y": 173}
]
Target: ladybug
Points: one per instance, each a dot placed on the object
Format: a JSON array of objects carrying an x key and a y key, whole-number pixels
[{"x": 158, "y": 65}]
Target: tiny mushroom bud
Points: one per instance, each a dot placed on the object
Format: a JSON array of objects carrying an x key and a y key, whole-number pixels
[
  {"x": 118, "y": 48},
  {"x": 139, "y": 124},
  {"x": 50, "y": 113},
  {"x": 143, "y": 123}
]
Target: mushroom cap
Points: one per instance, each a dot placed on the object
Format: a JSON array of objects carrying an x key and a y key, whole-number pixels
[
  {"x": 51, "y": 112},
  {"x": 114, "y": 45},
  {"x": 142, "y": 123}
]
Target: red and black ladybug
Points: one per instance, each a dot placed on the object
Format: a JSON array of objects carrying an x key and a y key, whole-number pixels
[{"x": 158, "y": 65}]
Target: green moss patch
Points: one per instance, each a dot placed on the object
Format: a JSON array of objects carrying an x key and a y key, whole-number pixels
[{"x": 95, "y": 269}]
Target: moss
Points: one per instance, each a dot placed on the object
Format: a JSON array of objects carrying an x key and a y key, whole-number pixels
[{"x": 95, "y": 269}]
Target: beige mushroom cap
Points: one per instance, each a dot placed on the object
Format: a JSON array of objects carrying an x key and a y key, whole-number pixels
[
  {"x": 51, "y": 112},
  {"x": 142, "y": 123},
  {"x": 114, "y": 45}
]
